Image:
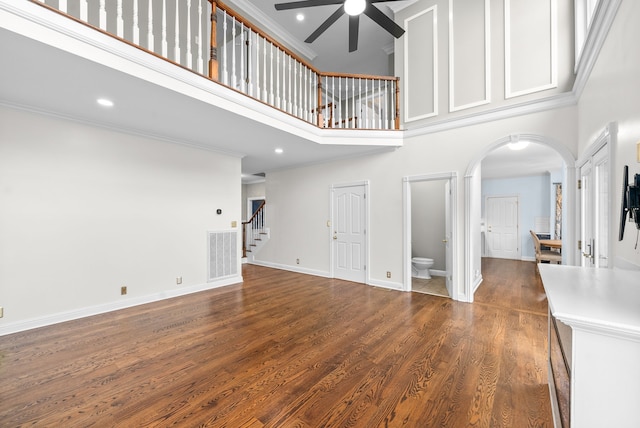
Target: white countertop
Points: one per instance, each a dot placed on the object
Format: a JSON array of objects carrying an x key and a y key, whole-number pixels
[{"x": 602, "y": 300}]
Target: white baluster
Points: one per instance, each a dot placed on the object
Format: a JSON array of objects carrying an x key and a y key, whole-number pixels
[
  {"x": 290, "y": 98},
  {"x": 340, "y": 123},
  {"x": 150, "y": 38},
  {"x": 249, "y": 64},
  {"x": 136, "y": 27},
  {"x": 258, "y": 90},
  {"x": 278, "y": 78},
  {"x": 234, "y": 78},
  {"x": 243, "y": 74},
  {"x": 284, "y": 82},
  {"x": 361, "y": 124},
  {"x": 62, "y": 6},
  {"x": 176, "y": 39},
  {"x": 386, "y": 106},
  {"x": 271, "y": 60},
  {"x": 84, "y": 11},
  {"x": 224, "y": 48},
  {"x": 264, "y": 70},
  {"x": 353, "y": 102},
  {"x": 119, "y": 19},
  {"x": 326, "y": 110},
  {"x": 165, "y": 45},
  {"x": 366, "y": 109},
  {"x": 102, "y": 16},
  {"x": 189, "y": 54},
  {"x": 199, "y": 39}
]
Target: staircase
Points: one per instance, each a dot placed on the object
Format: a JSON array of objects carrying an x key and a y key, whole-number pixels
[{"x": 254, "y": 234}]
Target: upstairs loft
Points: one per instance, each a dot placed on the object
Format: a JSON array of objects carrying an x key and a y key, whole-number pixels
[
  {"x": 60, "y": 55},
  {"x": 193, "y": 72}
]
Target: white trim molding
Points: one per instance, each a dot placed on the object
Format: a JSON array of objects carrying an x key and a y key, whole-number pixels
[
  {"x": 408, "y": 118},
  {"x": 487, "y": 60},
  {"x": 113, "y": 306},
  {"x": 553, "y": 52}
]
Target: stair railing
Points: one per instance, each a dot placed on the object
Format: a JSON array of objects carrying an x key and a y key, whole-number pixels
[
  {"x": 253, "y": 230},
  {"x": 211, "y": 39}
]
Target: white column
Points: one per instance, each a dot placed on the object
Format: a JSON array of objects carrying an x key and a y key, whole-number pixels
[{"x": 150, "y": 37}]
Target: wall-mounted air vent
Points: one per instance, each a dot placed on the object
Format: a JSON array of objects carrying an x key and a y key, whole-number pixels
[{"x": 223, "y": 254}]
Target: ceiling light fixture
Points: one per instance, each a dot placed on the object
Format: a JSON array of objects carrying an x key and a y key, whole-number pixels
[
  {"x": 518, "y": 145},
  {"x": 354, "y": 7},
  {"x": 279, "y": 150},
  {"x": 105, "y": 102},
  {"x": 300, "y": 17}
]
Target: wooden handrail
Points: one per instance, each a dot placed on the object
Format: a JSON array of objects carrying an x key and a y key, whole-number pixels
[
  {"x": 307, "y": 112},
  {"x": 254, "y": 217}
]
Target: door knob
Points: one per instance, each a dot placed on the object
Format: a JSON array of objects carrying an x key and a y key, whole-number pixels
[
  {"x": 335, "y": 235},
  {"x": 444, "y": 241}
]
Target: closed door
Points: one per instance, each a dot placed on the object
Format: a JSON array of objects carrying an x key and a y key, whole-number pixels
[
  {"x": 501, "y": 213},
  {"x": 594, "y": 192},
  {"x": 349, "y": 233}
]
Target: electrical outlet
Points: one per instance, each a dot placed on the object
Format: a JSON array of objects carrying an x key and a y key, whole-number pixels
[
  {"x": 179, "y": 280},
  {"x": 123, "y": 290},
  {"x": 234, "y": 224},
  {"x": 297, "y": 261},
  {"x": 388, "y": 274}
]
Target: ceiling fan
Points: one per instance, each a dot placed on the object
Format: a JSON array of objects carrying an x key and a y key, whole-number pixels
[{"x": 353, "y": 8}]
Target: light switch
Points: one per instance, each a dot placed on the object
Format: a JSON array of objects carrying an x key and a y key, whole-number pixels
[{"x": 234, "y": 224}]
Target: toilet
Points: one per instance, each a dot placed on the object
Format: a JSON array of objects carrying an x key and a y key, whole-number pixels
[{"x": 421, "y": 267}]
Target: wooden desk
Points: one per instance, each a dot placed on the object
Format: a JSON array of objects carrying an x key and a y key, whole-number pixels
[{"x": 551, "y": 243}]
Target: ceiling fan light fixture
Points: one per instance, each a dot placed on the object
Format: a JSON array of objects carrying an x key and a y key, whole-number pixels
[{"x": 355, "y": 7}]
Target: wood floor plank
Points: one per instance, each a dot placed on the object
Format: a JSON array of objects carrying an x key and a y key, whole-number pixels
[{"x": 290, "y": 350}]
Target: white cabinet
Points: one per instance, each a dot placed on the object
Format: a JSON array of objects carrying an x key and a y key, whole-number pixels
[{"x": 594, "y": 340}]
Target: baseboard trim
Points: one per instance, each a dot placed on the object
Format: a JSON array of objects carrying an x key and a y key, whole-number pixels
[
  {"x": 113, "y": 306},
  {"x": 476, "y": 284},
  {"x": 397, "y": 286},
  {"x": 296, "y": 269}
]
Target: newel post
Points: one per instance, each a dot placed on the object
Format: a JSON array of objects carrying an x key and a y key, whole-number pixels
[{"x": 213, "y": 58}]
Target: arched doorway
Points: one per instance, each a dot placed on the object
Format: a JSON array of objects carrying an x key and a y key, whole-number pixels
[{"x": 472, "y": 192}]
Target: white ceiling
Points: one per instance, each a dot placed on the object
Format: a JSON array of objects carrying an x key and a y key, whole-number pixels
[{"x": 330, "y": 52}]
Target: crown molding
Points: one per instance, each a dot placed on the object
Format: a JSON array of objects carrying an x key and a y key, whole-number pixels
[{"x": 265, "y": 22}]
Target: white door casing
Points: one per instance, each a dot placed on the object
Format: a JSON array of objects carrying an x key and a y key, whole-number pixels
[
  {"x": 595, "y": 209},
  {"x": 349, "y": 244},
  {"x": 502, "y": 214},
  {"x": 450, "y": 228}
]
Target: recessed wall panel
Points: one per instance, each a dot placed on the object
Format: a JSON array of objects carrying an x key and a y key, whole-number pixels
[
  {"x": 469, "y": 54},
  {"x": 421, "y": 65},
  {"x": 530, "y": 46}
]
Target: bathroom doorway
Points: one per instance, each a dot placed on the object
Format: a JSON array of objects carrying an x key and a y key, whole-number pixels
[{"x": 429, "y": 233}]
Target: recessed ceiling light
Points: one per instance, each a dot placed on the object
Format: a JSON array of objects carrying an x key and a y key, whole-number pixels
[
  {"x": 279, "y": 150},
  {"x": 105, "y": 102},
  {"x": 300, "y": 17}
]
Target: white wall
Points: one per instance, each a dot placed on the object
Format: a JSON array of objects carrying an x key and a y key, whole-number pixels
[
  {"x": 611, "y": 96},
  {"x": 533, "y": 197},
  {"x": 252, "y": 190},
  {"x": 299, "y": 198},
  {"x": 87, "y": 210}
]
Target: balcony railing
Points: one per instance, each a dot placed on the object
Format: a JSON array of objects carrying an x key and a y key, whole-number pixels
[{"x": 209, "y": 38}]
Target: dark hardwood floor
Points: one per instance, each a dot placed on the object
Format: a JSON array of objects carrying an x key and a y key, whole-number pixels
[{"x": 291, "y": 350}]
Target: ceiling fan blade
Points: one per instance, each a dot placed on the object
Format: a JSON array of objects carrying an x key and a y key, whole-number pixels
[
  {"x": 383, "y": 20},
  {"x": 326, "y": 24},
  {"x": 354, "y": 24},
  {"x": 306, "y": 3}
]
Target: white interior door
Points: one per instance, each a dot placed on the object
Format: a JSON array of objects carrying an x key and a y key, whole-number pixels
[
  {"x": 595, "y": 206},
  {"x": 501, "y": 237},
  {"x": 349, "y": 233}
]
